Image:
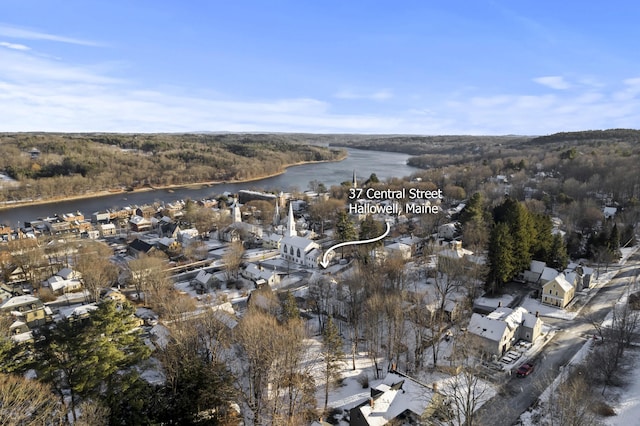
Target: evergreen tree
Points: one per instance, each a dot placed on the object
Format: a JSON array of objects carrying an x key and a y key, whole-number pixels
[
  {"x": 614, "y": 239},
  {"x": 518, "y": 219},
  {"x": 542, "y": 240},
  {"x": 289, "y": 308},
  {"x": 558, "y": 257},
  {"x": 370, "y": 228},
  {"x": 83, "y": 357},
  {"x": 332, "y": 356},
  {"x": 345, "y": 230},
  {"x": 473, "y": 211},
  {"x": 502, "y": 263}
]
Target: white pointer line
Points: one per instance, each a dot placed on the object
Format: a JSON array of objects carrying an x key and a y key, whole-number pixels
[{"x": 325, "y": 261}]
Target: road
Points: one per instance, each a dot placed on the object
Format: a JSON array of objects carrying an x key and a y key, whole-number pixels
[{"x": 518, "y": 394}]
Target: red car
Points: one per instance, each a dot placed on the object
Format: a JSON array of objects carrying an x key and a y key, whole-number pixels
[{"x": 524, "y": 370}]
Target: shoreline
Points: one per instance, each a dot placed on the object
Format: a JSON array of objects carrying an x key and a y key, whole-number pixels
[{"x": 104, "y": 193}]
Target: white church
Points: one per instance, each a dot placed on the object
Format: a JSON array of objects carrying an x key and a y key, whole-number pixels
[{"x": 297, "y": 249}]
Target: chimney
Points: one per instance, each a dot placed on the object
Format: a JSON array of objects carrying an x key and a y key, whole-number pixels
[
  {"x": 435, "y": 386},
  {"x": 371, "y": 402},
  {"x": 537, "y": 314},
  {"x": 499, "y": 303}
]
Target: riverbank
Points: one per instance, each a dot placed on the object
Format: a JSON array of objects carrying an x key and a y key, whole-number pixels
[{"x": 8, "y": 205}]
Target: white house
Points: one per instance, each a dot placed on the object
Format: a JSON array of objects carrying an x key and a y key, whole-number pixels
[
  {"x": 496, "y": 332},
  {"x": 260, "y": 275}
]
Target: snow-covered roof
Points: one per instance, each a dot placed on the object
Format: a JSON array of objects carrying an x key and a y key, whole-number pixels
[
  {"x": 203, "y": 277},
  {"x": 299, "y": 242},
  {"x": 18, "y": 301},
  {"x": 493, "y": 325},
  {"x": 537, "y": 266},
  {"x": 492, "y": 329},
  {"x": 399, "y": 394},
  {"x": 78, "y": 311},
  {"x": 561, "y": 281},
  {"x": 548, "y": 274}
]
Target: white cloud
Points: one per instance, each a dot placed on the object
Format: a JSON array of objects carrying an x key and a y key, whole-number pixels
[
  {"x": 554, "y": 81},
  {"x": 41, "y": 94},
  {"x": 14, "y": 46},
  {"x": 27, "y": 34}
]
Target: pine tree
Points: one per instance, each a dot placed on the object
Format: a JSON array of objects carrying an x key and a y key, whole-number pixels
[
  {"x": 502, "y": 266},
  {"x": 332, "y": 356},
  {"x": 289, "y": 308},
  {"x": 345, "y": 230},
  {"x": 558, "y": 257},
  {"x": 83, "y": 356}
]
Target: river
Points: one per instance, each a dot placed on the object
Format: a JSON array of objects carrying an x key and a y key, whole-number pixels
[{"x": 364, "y": 163}]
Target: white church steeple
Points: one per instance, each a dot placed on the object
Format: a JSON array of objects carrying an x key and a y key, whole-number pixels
[
  {"x": 235, "y": 213},
  {"x": 291, "y": 223}
]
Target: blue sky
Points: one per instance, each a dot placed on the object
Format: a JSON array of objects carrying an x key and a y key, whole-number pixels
[{"x": 410, "y": 67}]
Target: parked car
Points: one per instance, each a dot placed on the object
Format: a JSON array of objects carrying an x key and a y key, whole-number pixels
[{"x": 524, "y": 370}]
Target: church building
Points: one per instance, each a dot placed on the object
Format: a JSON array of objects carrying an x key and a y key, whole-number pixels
[{"x": 297, "y": 249}]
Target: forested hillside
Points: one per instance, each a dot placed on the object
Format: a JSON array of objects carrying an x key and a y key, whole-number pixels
[{"x": 51, "y": 165}]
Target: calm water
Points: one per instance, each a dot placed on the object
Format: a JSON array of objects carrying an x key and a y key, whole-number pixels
[{"x": 383, "y": 164}]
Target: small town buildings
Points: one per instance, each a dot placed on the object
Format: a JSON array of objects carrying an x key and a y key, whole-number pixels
[
  {"x": 27, "y": 309},
  {"x": 447, "y": 231},
  {"x": 398, "y": 398},
  {"x": 399, "y": 249},
  {"x": 558, "y": 292},
  {"x": 139, "y": 223},
  {"x": 139, "y": 247},
  {"x": 107, "y": 230},
  {"x": 260, "y": 275},
  {"x": 498, "y": 331}
]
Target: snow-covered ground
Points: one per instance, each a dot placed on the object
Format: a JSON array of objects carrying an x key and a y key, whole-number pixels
[{"x": 625, "y": 401}]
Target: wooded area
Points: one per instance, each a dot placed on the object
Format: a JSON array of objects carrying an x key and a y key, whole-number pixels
[{"x": 50, "y": 165}]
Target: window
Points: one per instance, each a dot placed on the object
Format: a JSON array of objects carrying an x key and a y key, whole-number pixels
[{"x": 298, "y": 253}]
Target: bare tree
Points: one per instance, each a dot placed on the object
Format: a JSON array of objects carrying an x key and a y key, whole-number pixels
[
  {"x": 148, "y": 275},
  {"x": 24, "y": 401},
  {"x": 466, "y": 391},
  {"x": 233, "y": 260},
  {"x": 572, "y": 403},
  {"x": 92, "y": 261}
]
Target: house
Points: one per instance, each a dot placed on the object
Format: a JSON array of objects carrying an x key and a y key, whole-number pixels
[
  {"x": 139, "y": 223},
  {"x": 116, "y": 296},
  {"x": 447, "y": 231},
  {"x": 59, "y": 285},
  {"x": 138, "y": 247},
  {"x": 76, "y": 313},
  {"x": 272, "y": 241},
  {"x": 399, "y": 249},
  {"x": 169, "y": 230},
  {"x": 454, "y": 250},
  {"x": 107, "y": 230},
  {"x": 259, "y": 275},
  {"x": 496, "y": 332},
  {"x": 399, "y": 399},
  {"x": 28, "y": 309},
  {"x": 558, "y": 292},
  {"x": 535, "y": 272},
  {"x": 100, "y": 217},
  {"x": 204, "y": 281},
  {"x": 584, "y": 275}
]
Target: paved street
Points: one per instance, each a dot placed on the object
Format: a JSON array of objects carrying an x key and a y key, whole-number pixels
[{"x": 518, "y": 394}]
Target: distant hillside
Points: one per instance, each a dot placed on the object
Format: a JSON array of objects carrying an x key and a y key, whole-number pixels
[
  {"x": 52, "y": 165},
  {"x": 419, "y": 145},
  {"x": 611, "y": 135}
]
